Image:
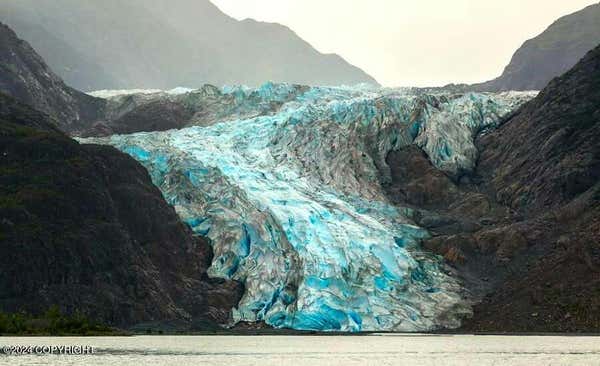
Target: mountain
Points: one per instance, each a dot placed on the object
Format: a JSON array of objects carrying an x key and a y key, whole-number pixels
[
  {"x": 163, "y": 44},
  {"x": 83, "y": 227},
  {"x": 545, "y": 163},
  {"x": 524, "y": 228},
  {"x": 550, "y": 54},
  {"x": 25, "y": 76}
]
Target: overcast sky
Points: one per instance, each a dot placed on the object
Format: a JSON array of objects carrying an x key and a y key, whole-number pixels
[{"x": 413, "y": 42}]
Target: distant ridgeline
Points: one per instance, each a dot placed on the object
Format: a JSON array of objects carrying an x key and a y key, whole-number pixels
[
  {"x": 165, "y": 44},
  {"x": 551, "y": 53}
]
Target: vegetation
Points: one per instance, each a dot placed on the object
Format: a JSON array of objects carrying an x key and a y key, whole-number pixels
[{"x": 52, "y": 322}]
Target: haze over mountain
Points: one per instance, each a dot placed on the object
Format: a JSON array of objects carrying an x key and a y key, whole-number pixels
[
  {"x": 164, "y": 44},
  {"x": 551, "y": 53},
  {"x": 25, "y": 76},
  {"x": 414, "y": 43}
]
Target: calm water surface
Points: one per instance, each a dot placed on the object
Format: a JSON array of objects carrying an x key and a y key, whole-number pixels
[{"x": 316, "y": 350}]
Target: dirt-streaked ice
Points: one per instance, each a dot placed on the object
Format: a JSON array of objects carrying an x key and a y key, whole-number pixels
[{"x": 292, "y": 200}]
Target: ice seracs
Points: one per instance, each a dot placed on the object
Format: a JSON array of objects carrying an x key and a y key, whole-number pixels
[{"x": 291, "y": 197}]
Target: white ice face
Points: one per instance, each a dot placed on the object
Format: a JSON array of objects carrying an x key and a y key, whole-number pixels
[
  {"x": 110, "y": 93},
  {"x": 292, "y": 200}
]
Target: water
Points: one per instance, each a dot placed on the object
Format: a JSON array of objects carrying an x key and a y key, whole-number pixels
[{"x": 380, "y": 350}]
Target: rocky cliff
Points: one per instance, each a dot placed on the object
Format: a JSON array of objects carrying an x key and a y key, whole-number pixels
[
  {"x": 25, "y": 76},
  {"x": 524, "y": 228},
  {"x": 545, "y": 164},
  {"x": 84, "y": 228}
]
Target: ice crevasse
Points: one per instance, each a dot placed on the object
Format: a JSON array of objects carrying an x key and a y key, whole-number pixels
[{"x": 293, "y": 203}]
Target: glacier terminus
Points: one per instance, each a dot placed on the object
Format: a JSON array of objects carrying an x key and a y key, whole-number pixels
[{"x": 287, "y": 182}]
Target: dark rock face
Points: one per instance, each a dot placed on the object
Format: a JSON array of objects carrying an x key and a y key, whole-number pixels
[
  {"x": 164, "y": 44},
  {"x": 545, "y": 164},
  {"x": 159, "y": 115},
  {"x": 549, "y": 152},
  {"x": 20, "y": 114},
  {"x": 552, "y": 279},
  {"x": 25, "y": 76},
  {"x": 551, "y": 53},
  {"x": 83, "y": 227},
  {"x": 524, "y": 229},
  {"x": 416, "y": 181}
]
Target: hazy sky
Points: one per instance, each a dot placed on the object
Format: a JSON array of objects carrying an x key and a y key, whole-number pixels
[{"x": 413, "y": 42}]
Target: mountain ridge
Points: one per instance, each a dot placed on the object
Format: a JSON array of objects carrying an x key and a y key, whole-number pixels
[
  {"x": 82, "y": 227},
  {"x": 169, "y": 44},
  {"x": 551, "y": 53},
  {"x": 25, "y": 76},
  {"x": 523, "y": 228}
]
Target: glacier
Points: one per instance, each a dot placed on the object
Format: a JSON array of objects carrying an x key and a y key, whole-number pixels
[
  {"x": 110, "y": 93},
  {"x": 287, "y": 182}
]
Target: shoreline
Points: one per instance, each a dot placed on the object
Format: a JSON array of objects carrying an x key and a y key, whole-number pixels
[{"x": 272, "y": 332}]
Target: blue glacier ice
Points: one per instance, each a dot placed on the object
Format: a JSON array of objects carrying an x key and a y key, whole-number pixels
[{"x": 287, "y": 184}]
